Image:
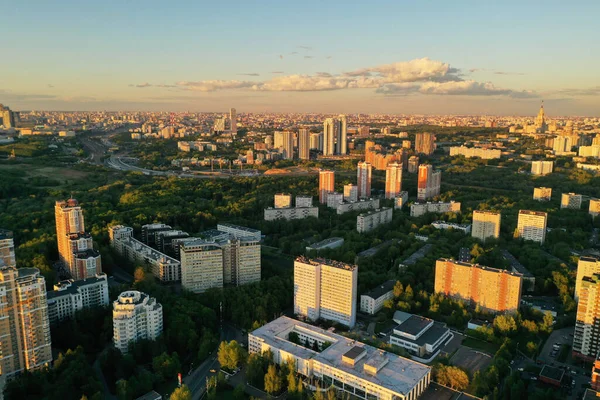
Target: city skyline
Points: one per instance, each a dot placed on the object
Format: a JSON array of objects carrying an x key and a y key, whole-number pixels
[{"x": 168, "y": 59}]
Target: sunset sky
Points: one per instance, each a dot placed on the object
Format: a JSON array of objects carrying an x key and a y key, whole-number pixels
[{"x": 432, "y": 57}]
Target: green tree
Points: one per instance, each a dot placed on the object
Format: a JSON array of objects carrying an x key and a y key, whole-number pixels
[
  {"x": 181, "y": 393},
  {"x": 505, "y": 324},
  {"x": 166, "y": 367},
  {"x": 254, "y": 370},
  {"x": 398, "y": 289},
  {"x": 272, "y": 380},
  {"x": 238, "y": 392},
  {"x": 230, "y": 355}
]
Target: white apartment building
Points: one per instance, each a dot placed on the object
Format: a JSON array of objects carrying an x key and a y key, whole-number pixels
[
  {"x": 201, "y": 265},
  {"x": 466, "y": 228},
  {"x": 400, "y": 200},
  {"x": 571, "y": 200},
  {"x": 272, "y": 214},
  {"x": 470, "y": 152},
  {"x": 283, "y": 200},
  {"x": 71, "y": 296},
  {"x": 136, "y": 316},
  {"x": 542, "y": 194},
  {"x": 304, "y": 201},
  {"x": 334, "y": 199},
  {"x": 418, "y": 209},
  {"x": 372, "y": 219},
  {"x": 589, "y": 151},
  {"x": 585, "y": 340},
  {"x": 586, "y": 266},
  {"x": 163, "y": 267},
  {"x": 486, "y": 224},
  {"x": 594, "y": 207},
  {"x": 531, "y": 225},
  {"x": 240, "y": 231},
  {"x": 325, "y": 289},
  {"x": 542, "y": 167},
  {"x": 372, "y": 301},
  {"x": 357, "y": 206},
  {"x": 361, "y": 370}
]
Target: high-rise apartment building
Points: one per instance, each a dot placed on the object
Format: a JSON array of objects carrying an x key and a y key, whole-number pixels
[
  {"x": 585, "y": 339},
  {"x": 542, "y": 167},
  {"x": 326, "y": 185},
  {"x": 370, "y": 220},
  {"x": 283, "y": 200},
  {"x": 413, "y": 164},
  {"x": 418, "y": 209},
  {"x": 393, "y": 180},
  {"x": 562, "y": 145},
  {"x": 341, "y": 144},
  {"x": 135, "y": 316},
  {"x": 219, "y": 124},
  {"x": 425, "y": 143},
  {"x": 8, "y": 118},
  {"x": 486, "y": 224},
  {"x": 288, "y": 145},
  {"x": 7, "y": 248},
  {"x": 325, "y": 289},
  {"x": 278, "y": 140},
  {"x": 150, "y": 231},
  {"x": 429, "y": 182},
  {"x": 304, "y": 201},
  {"x": 363, "y": 180},
  {"x": 201, "y": 265},
  {"x": 75, "y": 246},
  {"x": 350, "y": 193},
  {"x": 594, "y": 207},
  {"x": 316, "y": 141},
  {"x": 571, "y": 200},
  {"x": 330, "y": 132},
  {"x": 71, "y": 296},
  {"x": 492, "y": 289},
  {"x": 586, "y": 266},
  {"x": 531, "y": 225},
  {"x": 304, "y": 144},
  {"x": 24, "y": 327},
  {"x": 542, "y": 194},
  {"x": 233, "y": 121}
]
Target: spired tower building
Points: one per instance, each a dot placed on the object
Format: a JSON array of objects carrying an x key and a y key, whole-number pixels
[{"x": 540, "y": 121}]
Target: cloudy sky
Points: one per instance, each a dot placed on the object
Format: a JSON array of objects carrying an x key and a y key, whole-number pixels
[{"x": 396, "y": 56}]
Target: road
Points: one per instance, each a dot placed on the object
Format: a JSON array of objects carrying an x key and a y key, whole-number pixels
[{"x": 95, "y": 149}]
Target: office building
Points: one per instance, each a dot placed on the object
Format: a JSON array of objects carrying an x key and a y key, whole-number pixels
[
  {"x": 7, "y": 248},
  {"x": 418, "y": 209},
  {"x": 420, "y": 336},
  {"x": 304, "y": 144},
  {"x": 531, "y": 225},
  {"x": 594, "y": 207},
  {"x": 238, "y": 232},
  {"x": 571, "y": 200},
  {"x": 585, "y": 339},
  {"x": 233, "y": 121},
  {"x": 372, "y": 219},
  {"x": 350, "y": 193},
  {"x": 71, "y": 296},
  {"x": 8, "y": 118},
  {"x": 288, "y": 145},
  {"x": 326, "y": 185},
  {"x": 24, "y": 327},
  {"x": 425, "y": 143},
  {"x": 372, "y": 301},
  {"x": 163, "y": 267},
  {"x": 562, "y": 145},
  {"x": 330, "y": 132},
  {"x": 542, "y": 194},
  {"x": 486, "y": 224},
  {"x": 429, "y": 182},
  {"x": 150, "y": 231},
  {"x": 325, "y": 289},
  {"x": 136, "y": 316},
  {"x": 413, "y": 164},
  {"x": 283, "y": 200},
  {"x": 363, "y": 180},
  {"x": 492, "y": 289},
  {"x": 393, "y": 180},
  {"x": 371, "y": 204},
  {"x": 400, "y": 200},
  {"x": 586, "y": 266},
  {"x": 542, "y": 167},
  {"x": 470, "y": 152},
  {"x": 360, "y": 370},
  {"x": 272, "y": 214}
]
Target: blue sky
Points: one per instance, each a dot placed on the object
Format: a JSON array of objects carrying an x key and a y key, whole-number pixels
[{"x": 480, "y": 57}]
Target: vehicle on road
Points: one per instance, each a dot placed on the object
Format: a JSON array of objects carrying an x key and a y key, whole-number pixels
[{"x": 213, "y": 370}]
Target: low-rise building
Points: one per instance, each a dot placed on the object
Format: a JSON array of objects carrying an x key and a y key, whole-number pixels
[
  {"x": 71, "y": 296},
  {"x": 542, "y": 167},
  {"x": 594, "y": 207},
  {"x": 272, "y": 214},
  {"x": 401, "y": 200},
  {"x": 418, "y": 209},
  {"x": 516, "y": 266},
  {"x": 240, "y": 231},
  {"x": 466, "y": 228},
  {"x": 330, "y": 243},
  {"x": 372, "y": 219},
  {"x": 334, "y": 199},
  {"x": 372, "y": 301},
  {"x": 469, "y": 152},
  {"x": 422, "y": 337},
  {"x": 571, "y": 200},
  {"x": 348, "y": 365},
  {"x": 136, "y": 316},
  {"x": 542, "y": 194}
]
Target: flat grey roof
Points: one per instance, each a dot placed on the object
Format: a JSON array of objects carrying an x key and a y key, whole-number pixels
[
  {"x": 436, "y": 331},
  {"x": 354, "y": 352},
  {"x": 380, "y": 290},
  {"x": 242, "y": 228},
  {"x": 414, "y": 325},
  {"x": 552, "y": 373}
]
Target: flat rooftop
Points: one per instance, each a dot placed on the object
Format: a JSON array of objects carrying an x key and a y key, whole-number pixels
[
  {"x": 399, "y": 374},
  {"x": 326, "y": 242},
  {"x": 465, "y": 264},
  {"x": 549, "y": 372},
  {"x": 148, "y": 251},
  {"x": 380, "y": 290},
  {"x": 529, "y": 212},
  {"x": 414, "y": 325},
  {"x": 324, "y": 261},
  {"x": 241, "y": 228}
]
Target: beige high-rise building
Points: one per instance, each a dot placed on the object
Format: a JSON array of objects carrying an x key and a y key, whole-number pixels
[
  {"x": 325, "y": 289},
  {"x": 363, "y": 178},
  {"x": 486, "y": 224},
  {"x": 492, "y": 289},
  {"x": 288, "y": 145},
  {"x": 585, "y": 340},
  {"x": 586, "y": 266},
  {"x": 350, "y": 193},
  {"x": 542, "y": 194},
  {"x": 571, "y": 200},
  {"x": 429, "y": 182},
  {"x": 241, "y": 261},
  {"x": 201, "y": 265},
  {"x": 303, "y": 144},
  {"x": 413, "y": 164},
  {"x": 24, "y": 326},
  {"x": 542, "y": 167},
  {"x": 594, "y": 207},
  {"x": 326, "y": 185},
  {"x": 283, "y": 200},
  {"x": 532, "y": 225},
  {"x": 393, "y": 180},
  {"x": 425, "y": 143},
  {"x": 7, "y": 248},
  {"x": 330, "y": 133},
  {"x": 135, "y": 316}
]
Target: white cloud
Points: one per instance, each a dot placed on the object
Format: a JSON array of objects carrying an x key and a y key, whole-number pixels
[
  {"x": 471, "y": 88},
  {"x": 213, "y": 85}
]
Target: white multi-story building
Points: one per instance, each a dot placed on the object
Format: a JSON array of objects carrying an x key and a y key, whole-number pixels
[
  {"x": 363, "y": 179},
  {"x": 585, "y": 340},
  {"x": 372, "y": 219},
  {"x": 562, "y": 145},
  {"x": 350, "y": 193},
  {"x": 531, "y": 225},
  {"x": 420, "y": 336},
  {"x": 330, "y": 132},
  {"x": 201, "y": 265},
  {"x": 7, "y": 248},
  {"x": 400, "y": 200},
  {"x": 469, "y": 152},
  {"x": 240, "y": 231},
  {"x": 288, "y": 145},
  {"x": 272, "y": 214},
  {"x": 325, "y": 289},
  {"x": 357, "y": 206},
  {"x": 418, "y": 209},
  {"x": 372, "y": 301},
  {"x": 361, "y": 370},
  {"x": 542, "y": 194},
  {"x": 571, "y": 200},
  {"x": 163, "y": 267},
  {"x": 486, "y": 224},
  {"x": 594, "y": 207},
  {"x": 136, "y": 316},
  {"x": 393, "y": 180},
  {"x": 466, "y": 228},
  {"x": 586, "y": 266},
  {"x": 283, "y": 200},
  {"x": 542, "y": 167},
  {"x": 589, "y": 151},
  {"x": 304, "y": 201},
  {"x": 303, "y": 144},
  {"x": 71, "y": 296},
  {"x": 334, "y": 199}
]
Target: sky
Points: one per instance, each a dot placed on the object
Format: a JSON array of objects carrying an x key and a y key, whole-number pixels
[{"x": 396, "y": 57}]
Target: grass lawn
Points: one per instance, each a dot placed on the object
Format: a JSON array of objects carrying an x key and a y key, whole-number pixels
[{"x": 476, "y": 344}]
